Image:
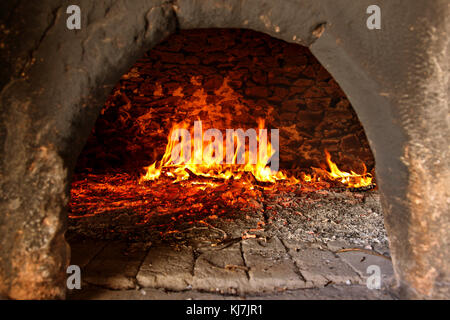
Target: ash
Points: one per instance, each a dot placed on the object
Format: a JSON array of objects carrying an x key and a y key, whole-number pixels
[{"x": 109, "y": 207}]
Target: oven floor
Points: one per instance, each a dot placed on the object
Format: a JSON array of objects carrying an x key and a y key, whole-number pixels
[
  {"x": 116, "y": 207},
  {"x": 251, "y": 268},
  {"x": 313, "y": 244}
]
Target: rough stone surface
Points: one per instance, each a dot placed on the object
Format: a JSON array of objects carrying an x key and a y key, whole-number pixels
[
  {"x": 165, "y": 267},
  {"x": 250, "y": 268},
  {"x": 405, "y": 117},
  {"x": 195, "y": 250},
  {"x": 360, "y": 261},
  {"x": 321, "y": 267},
  {"x": 53, "y": 82},
  {"x": 270, "y": 267},
  {"x": 115, "y": 266},
  {"x": 221, "y": 271}
]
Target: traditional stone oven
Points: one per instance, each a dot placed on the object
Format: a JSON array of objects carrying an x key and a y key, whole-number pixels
[{"x": 55, "y": 82}]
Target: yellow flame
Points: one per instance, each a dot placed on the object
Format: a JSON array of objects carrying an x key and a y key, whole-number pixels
[
  {"x": 350, "y": 179},
  {"x": 151, "y": 172},
  {"x": 204, "y": 163}
]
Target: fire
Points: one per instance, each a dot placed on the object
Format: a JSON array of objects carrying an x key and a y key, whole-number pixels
[
  {"x": 207, "y": 162},
  {"x": 208, "y": 158},
  {"x": 152, "y": 173},
  {"x": 350, "y": 179}
]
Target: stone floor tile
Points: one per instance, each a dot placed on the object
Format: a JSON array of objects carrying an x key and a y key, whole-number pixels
[
  {"x": 166, "y": 267},
  {"x": 271, "y": 244},
  {"x": 360, "y": 261},
  {"x": 221, "y": 271},
  {"x": 115, "y": 266},
  {"x": 320, "y": 267},
  {"x": 270, "y": 267}
]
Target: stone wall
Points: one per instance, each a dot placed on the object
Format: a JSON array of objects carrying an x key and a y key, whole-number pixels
[{"x": 228, "y": 78}]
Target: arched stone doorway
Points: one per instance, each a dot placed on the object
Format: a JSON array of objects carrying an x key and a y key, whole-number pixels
[{"x": 395, "y": 78}]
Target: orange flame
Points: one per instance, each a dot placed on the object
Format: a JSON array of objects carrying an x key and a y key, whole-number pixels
[
  {"x": 205, "y": 163},
  {"x": 350, "y": 179}
]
